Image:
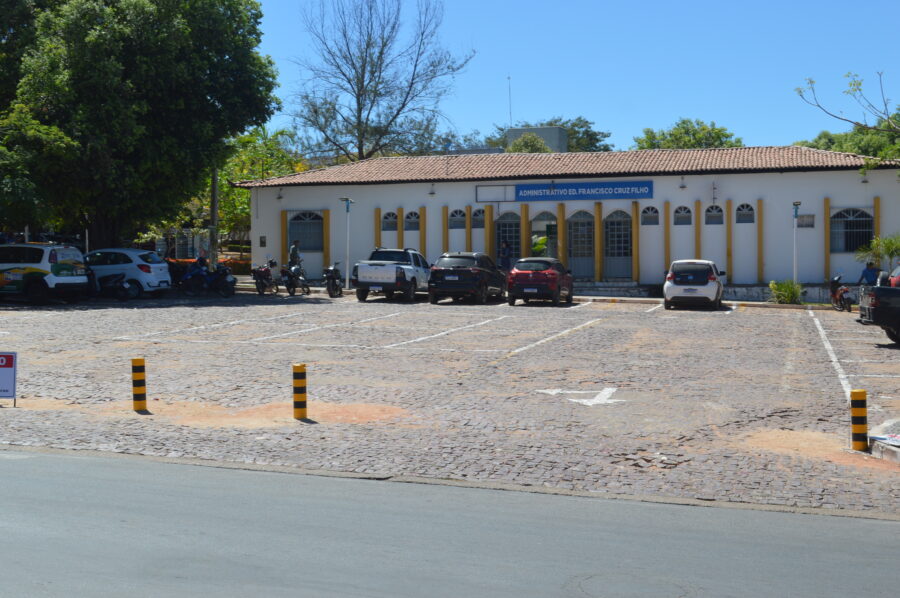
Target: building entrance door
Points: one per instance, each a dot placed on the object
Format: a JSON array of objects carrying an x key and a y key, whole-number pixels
[
  {"x": 617, "y": 246},
  {"x": 581, "y": 245}
]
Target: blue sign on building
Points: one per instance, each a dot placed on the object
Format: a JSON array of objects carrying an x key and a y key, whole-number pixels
[{"x": 607, "y": 190}]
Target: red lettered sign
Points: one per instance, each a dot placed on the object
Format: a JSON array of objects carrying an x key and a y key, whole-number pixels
[
  {"x": 7, "y": 375},
  {"x": 7, "y": 360}
]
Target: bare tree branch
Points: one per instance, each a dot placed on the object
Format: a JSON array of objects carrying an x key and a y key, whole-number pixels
[{"x": 887, "y": 117}]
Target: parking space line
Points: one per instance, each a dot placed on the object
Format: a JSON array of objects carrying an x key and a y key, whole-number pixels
[
  {"x": 209, "y": 326},
  {"x": 425, "y": 338},
  {"x": 265, "y": 338},
  {"x": 654, "y": 308},
  {"x": 874, "y": 375},
  {"x": 842, "y": 376},
  {"x": 557, "y": 335}
]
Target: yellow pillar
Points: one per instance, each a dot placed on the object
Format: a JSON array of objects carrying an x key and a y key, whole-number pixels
[
  {"x": 562, "y": 232},
  {"x": 377, "y": 227},
  {"x": 760, "y": 254},
  {"x": 729, "y": 243},
  {"x": 525, "y": 231},
  {"x": 445, "y": 227},
  {"x": 468, "y": 228},
  {"x": 400, "y": 223},
  {"x": 667, "y": 235},
  {"x": 876, "y": 217},
  {"x": 326, "y": 238},
  {"x": 283, "y": 243},
  {"x": 489, "y": 246},
  {"x": 635, "y": 243},
  {"x": 698, "y": 232},
  {"x": 298, "y": 386},
  {"x": 859, "y": 424},
  {"x": 423, "y": 232},
  {"x": 139, "y": 385},
  {"x": 826, "y": 222},
  {"x": 598, "y": 241}
]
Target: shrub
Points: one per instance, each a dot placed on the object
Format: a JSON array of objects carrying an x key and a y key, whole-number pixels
[
  {"x": 237, "y": 266},
  {"x": 785, "y": 291}
]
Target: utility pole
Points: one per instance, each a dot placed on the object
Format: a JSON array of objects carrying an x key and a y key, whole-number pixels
[
  {"x": 796, "y": 211},
  {"x": 347, "y": 201},
  {"x": 214, "y": 221}
]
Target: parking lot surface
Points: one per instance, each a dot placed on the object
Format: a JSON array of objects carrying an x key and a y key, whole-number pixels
[{"x": 738, "y": 405}]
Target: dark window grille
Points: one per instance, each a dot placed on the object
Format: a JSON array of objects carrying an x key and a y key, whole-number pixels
[
  {"x": 682, "y": 216},
  {"x": 509, "y": 229},
  {"x": 478, "y": 218},
  {"x": 715, "y": 215},
  {"x": 389, "y": 221},
  {"x": 851, "y": 229},
  {"x": 650, "y": 216},
  {"x": 457, "y": 219},
  {"x": 745, "y": 214}
]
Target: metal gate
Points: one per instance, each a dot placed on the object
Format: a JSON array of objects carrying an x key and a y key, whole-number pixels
[
  {"x": 306, "y": 227},
  {"x": 581, "y": 245},
  {"x": 617, "y": 246},
  {"x": 509, "y": 230}
]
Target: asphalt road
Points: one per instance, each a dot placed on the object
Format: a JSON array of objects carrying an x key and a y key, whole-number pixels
[{"x": 83, "y": 525}]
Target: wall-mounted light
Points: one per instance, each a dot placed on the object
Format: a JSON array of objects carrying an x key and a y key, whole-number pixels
[
  {"x": 279, "y": 194},
  {"x": 682, "y": 185},
  {"x": 431, "y": 191}
]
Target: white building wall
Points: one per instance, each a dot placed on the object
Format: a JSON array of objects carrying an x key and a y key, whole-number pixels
[{"x": 777, "y": 192}]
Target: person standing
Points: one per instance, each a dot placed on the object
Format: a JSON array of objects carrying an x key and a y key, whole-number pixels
[
  {"x": 505, "y": 256},
  {"x": 294, "y": 258},
  {"x": 869, "y": 274}
]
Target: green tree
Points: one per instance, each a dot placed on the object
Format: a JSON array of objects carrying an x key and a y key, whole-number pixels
[
  {"x": 688, "y": 134},
  {"x": 528, "y": 143},
  {"x": 17, "y": 24},
  {"x": 878, "y": 143},
  {"x": 582, "y": 136},
  {"x": 151, "y": 91},
  {"x": 371, "y": 91}
]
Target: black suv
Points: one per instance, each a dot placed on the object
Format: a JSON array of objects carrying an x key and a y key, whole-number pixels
[{"x": 466, "y": 274}]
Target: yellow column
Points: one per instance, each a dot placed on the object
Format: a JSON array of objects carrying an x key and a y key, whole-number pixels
[
  {"x": 667, "y": 235},
  {"x": 489, "y": 245},
  {"x": 139, "y": 385},
  {"x": 826, "y": 222},
  {"x": 468, "y": 228},
  {"x": 698, "y": 232},
  {"x": 562, "y": 231},
  {"x": 876, "y": 217},
  {"x": 598, "y": 241},
  {"x": 400, "y": 228},
  {"x": 729, "y": 243},
  {"x": 525, "y": 231},
  {"x": 445, "y": 227},
  {"x": 377, "y": 227},
  {"x": 423, "y": 232},
  {"x": 326, "y": 238},
  {"x": 298, "y": 387},
  {"x": 760, "y": 254},
  {"x": 283, "y": 243},
  {"x": 635, "y": 243}
]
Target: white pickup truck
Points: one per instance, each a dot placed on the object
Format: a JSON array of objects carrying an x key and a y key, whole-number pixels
[{"x": 391, "y": 271}]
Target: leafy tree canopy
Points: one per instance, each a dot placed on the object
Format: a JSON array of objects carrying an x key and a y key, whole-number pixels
[
  {"x": 528, "y": 143},
  {"x": 150, "y": 91},
  {"x": 582, "y": 135},
  {"x": 688, "y": 134},
  {"x": 880, "y": 142}
]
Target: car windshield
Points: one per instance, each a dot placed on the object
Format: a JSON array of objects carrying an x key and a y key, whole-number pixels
[
  {"x": 389, "y": 256},
  {"x": 532, "y": 266},
  {"x": 896, "y": 272},
  {"x": 151, "y": 258},
  {"x": 462, "y": 261},
  {"x": 67, "y": 255}
]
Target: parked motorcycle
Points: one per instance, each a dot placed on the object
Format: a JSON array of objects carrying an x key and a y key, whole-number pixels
[
  {"x": 262, "y": 277},
  {"x": 199, "y": 279},
  {"x": 333, "y": 281},
  {"x": 111, "y": 285},
  {"x": 294, "y": 278},
  {"x": 840, "y": 294}
]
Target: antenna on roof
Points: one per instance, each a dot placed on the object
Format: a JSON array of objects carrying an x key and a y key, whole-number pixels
[{"x": 509, "y": 90}]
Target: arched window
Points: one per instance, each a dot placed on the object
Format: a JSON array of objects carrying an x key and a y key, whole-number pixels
[
  {"x": 389, "y": 221},
  {"x": 411, "y": 221},
  {"x": 478, "y": 218},
  {"x": 851, "y": 228},
  {"x": 306, "y": 227},
  {"x": 457, "y": 219},
  {"x": 715, "y": 215},
  {"x": 649, "y": 216},
  {"x": 508, "y": 228},
  {"x": 745, "y": 214},
  {"x": 682, "y": 215}
]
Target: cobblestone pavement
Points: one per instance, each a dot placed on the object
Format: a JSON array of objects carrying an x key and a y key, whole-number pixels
[{"x": 739, "y": 405}]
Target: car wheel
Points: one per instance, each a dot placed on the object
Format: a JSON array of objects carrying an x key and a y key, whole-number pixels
[
  {"x": 511, "y": 300},
  {"x": 571, "y": 296},
  {"x": 135, "y": 290},
  {"x": 361, "y": 295},
  {"x": 389, "y": 295},
  {"x": 667, "y": 304},
  {"x": 37, "y": 292},
  {"x": 554, "y": 299},
  {"x": 433, "y": 299},
  {"x": 481, "y": 296},
  {"x": 410, "y": 294},
  {"x": 893, "y": 334}
]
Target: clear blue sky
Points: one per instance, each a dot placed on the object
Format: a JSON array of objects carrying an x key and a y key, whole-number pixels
[{"x": 628, "y": 66}]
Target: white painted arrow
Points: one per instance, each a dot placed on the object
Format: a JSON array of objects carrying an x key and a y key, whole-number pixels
[{"x": 603, "y": 397}]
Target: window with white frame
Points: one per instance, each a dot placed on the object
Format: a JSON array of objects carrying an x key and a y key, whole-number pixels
[
  {"x": 851, "y": 228},
  {"x": 682, "y": 216},
  {"x": 745, "y": 214},
  {"x": 457, "y": 219},
  {"x": 478, "y": 218},
  {"x": 389, "y": 221},
  {"x": 715, "y": 215},
  {"x": 649, "y": 216},
  {"x": 411, "y": 221}
]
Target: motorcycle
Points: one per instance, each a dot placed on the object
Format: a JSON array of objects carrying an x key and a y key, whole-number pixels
[
  {"x": 113, "y": 285},
  {"x": 840, "y": 294},
  {"x": 198, "y": 279},
  {"x": 294, "y": 278},
  {"x": 262, "y": 277},
  {"x": 333, "y": 281}
]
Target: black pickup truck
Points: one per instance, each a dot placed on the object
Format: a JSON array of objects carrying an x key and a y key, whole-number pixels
[{"x": 880, "y": 306}]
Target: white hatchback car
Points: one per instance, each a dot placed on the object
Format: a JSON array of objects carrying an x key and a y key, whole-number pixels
[
  {"x": 144, "y": 270},
  {"x": 693, "y": 282}
]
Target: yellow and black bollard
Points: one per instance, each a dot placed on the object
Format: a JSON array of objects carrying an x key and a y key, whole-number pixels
[
  {"x": 858, "y": 420},
  {"x": 139, "y": 385},
  {"x": 299, "y": 390}
]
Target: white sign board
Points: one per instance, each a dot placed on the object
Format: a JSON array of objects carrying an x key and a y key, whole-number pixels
[{"x": 8, "y": 375}]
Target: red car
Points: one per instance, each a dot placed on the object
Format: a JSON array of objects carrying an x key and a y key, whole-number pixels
[{"x": 539, "y": 278}]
